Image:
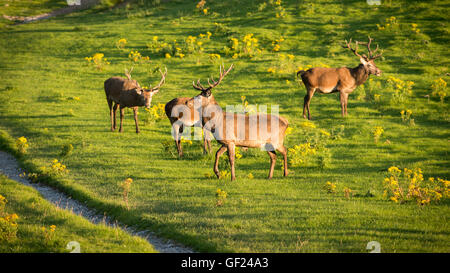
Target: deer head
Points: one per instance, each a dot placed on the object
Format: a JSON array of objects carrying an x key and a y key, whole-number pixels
[
  {"x": 144, "y": 96},
  {"x": 205, "y": 95},
  {"x": 366, "y": 61}
]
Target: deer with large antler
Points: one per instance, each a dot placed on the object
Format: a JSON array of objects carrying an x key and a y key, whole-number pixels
[
  {"x": 343, "y": 80},
  {"x": 232, "y": 130},
  {"x": 121, "y": 93}
]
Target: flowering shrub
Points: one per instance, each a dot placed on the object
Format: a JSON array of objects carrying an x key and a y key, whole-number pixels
[
  {"x": 377, "y": 132},
  {"x": 49, "y": 233},
  {"x": 439, "y": 88},
  {"x": 126, "y": 186},
  {"x": 136, "y": 57},
  {"x": 307, "y": 125},
  {"x": 406, "y": 117},
  {"x": 120, "y": 44},
  {"x": 214, "y": 58},
  {"x": 191, "y": 45},
  {"x": 248, "y": 47},
  {"x": 98, "y": 60},
  {"x": 391, "y": 23},
  {"x": 56, "y": 169},
  {"x": 330, "y": 187},
  {"x": 369, "y": 90},
  {"x": 414, "y": 28},
  {"x": 22, "y": 144},
  {"x": 155, "y": 113},
  {"x": 280, "y": 10},
  {"x": 8, "y": 222},
  {"x": 224, "y": 174},
  {"x": 407, "y": 185},
  {"x": 402, "y": 89},
  {"x": 299, "y": 154},
  {"x": 284, "y": 65},
  {"x": 221, "y": 195},
  {"x": 276, "y": 45},
  {"x": 246, "y": 108}
]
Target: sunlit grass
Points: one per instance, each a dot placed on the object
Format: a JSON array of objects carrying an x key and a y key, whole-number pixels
[{"x": 174, "y": 197}]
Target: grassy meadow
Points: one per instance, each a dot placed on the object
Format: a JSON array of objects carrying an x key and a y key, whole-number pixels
[
  {"x": 41, "y": 227},
  {"x": 52, "y": 95}
]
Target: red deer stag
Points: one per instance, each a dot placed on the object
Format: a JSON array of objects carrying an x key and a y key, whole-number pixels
[
  {"x": 128, "y": 93},
  {"x": 343, "y": 80},
  {"x": 174, "y": 111},
  {"x": 239, "y": 130}
]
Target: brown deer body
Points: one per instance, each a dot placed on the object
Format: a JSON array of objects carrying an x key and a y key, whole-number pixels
[
  {"x": 239, "y": 130},
  {"x": 178, "y": 121},
  {"x": 122, "y": 93},
  {"x": 343, "y": 80}
]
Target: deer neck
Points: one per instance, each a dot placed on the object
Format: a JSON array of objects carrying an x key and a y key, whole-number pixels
[
  {"x": 211, "y": 119},
  {"x": 360, "y": 74}
]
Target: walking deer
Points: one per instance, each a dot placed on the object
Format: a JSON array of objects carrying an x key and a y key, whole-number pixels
[
  {"x": 343, "y": 80},
  {"x": 239, "y": 130},
  {"x": 128, "y": 93}
]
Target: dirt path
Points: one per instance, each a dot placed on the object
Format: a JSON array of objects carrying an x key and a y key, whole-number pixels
[{"x": 10, "y": 168}]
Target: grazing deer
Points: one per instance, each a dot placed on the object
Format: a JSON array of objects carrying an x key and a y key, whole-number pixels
[
  {"x": 128, "y": 93},
  {"x": 179, "y": 121},
  {"x": 239, "y": 130},
  {"x": 343, "y": 80}
]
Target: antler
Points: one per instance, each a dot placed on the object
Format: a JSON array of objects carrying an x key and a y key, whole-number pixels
[
  {"x": 128, "y": 73},
  {"x": 222, "y": 74},
  {"x": 371, "y": 54},
  {"x": 163, "y": 79},
  {"x": 355, "y": 51},
  {"x": 198, "y": 86}
]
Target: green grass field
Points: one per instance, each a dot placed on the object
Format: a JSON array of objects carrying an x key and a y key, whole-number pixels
[
  {"x": 53, "y": 97},
  {"x": 35, "y": 213}
]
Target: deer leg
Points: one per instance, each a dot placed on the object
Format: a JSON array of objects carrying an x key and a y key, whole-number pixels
[
  {"x": 209, "y": 146},
  {"x": 231, "y": 147},
  {"x": 346, "y": 101},
  {"x": 114, "y": 116},
  {"x": 273, "y": 159},
  {"x": 110, "y": 104},
  {"x": 122, "y": 113},
  {"x": 177, "y": 130},
  {"x": 216, "y": 163},
  {"x": 205, "y": 147},
  {"x": 283, "y": 151},
  {"x": 206, "y": 142},
  {"x": 343, "y": 97},
  {"x": 307, "y": 101},
  {"x": 135, "y": 111}
]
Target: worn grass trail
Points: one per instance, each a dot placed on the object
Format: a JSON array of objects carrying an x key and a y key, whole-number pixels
[{"x": 53, "y": 98}]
